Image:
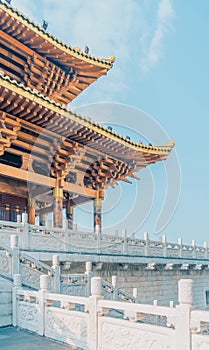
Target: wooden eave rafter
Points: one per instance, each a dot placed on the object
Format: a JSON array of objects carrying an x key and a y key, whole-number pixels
[
  {"x": 30, "y": 68},
  {"x": 54, "y": 117},
  {"x": 21, "y": 27},
  {"x": 65, "y": 156},
  {"x": 71, "y": 147}
]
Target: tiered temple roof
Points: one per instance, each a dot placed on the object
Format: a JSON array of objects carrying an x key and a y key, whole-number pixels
[
  {"x": 32, "y": 55},
  {"x": 49, "y": 145}
]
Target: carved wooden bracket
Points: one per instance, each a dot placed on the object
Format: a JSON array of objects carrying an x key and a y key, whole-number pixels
[
  {"x": 67, "y": 156},
  {"x": 49, "y": 79},
  {"x": 8, "y": 131},
  {"x": 106, "y": 171}
]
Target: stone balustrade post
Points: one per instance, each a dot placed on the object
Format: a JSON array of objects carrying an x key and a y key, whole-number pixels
[
  {"x": 67, "y": 237},
  {"x": 135, "y": 293},
  {"x": 156, "y": 318},
  {"x": 45, "y": 283},
  {"x": 25, "y": 236},
  {"x": 96, "y": 295},
  {"x": 44, "y": 288},
  {"x": 89, "y": 274},
  {"x": 205, "y": 245},
  {"x": 57, "y": 273},
  {"x": 171, "y": 304},
  {"x": 183, "y": 314},
  {"x": 15, "y": 254},
  {"x": 125, "y": 242},
  {"x": 18, "y": 218},
  {"x": 146, "y": 246},
  {"x": 24, "y": 218},
  {"x": 180, "y": 247},
  {"x": 17, "y": 284},
  {"x": 115, "y": 287},
  {"x": 194, "y": 252},
  {"x": 164, "y": 241}
]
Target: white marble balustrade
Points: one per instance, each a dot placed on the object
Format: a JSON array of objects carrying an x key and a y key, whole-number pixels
[
  {"x": 98, "y": 324},
  {"x": 49, "y": 239}
]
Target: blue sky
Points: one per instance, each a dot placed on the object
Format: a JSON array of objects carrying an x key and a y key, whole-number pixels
[{"x": 161, "y": 68}]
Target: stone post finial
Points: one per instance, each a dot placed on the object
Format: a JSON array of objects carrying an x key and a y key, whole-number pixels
[
  {"x": 171, "y": 304},
  {"x": 17, "y": 280},
  {"x": 96, "y": 287},
  {"x": 97, "y": 229},
  {"x": 55, "y": 260},
  {"x": 163, "y": 239},
  {"x": 180, "y": 240},
  {"x": 18, "y": 218},
  {"x": 88, "y": 266},
  {"x": 185, "y": 291},
  {"x": 206, "y": 249},
  {"x": 44, "y": 283},
  {"x": 135, "y": 293},
  {"x": 24, "y": 218},
  {"x": 146, "y": 236},
  {"x": 114, "y": 281},
  {"x": 124, "y": 233},
  {"x": 180, "y": 253}
]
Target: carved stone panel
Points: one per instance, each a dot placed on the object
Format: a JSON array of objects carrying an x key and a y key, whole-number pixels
[
  {"x": 121, "y": 335},
  {"x": 66, "y": 326}
]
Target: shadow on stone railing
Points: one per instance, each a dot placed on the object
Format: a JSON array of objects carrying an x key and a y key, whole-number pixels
[
  {"x": 48, "y": 239},
  {"x": 94, "y": 323}
]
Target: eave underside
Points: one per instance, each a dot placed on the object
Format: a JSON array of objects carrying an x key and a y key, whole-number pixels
[
  {"x": 61, "y": 83},
  {"x": 61, "y": 146},
  {"x": 34, "y": 36}
]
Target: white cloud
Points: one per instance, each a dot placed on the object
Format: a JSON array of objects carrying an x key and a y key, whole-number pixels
[
  {"x": 107, "y": 29},
  {"x": 120, "y": 28},
  {"x": 28, "y": 7},
  {"x": 152, "y": 54}
]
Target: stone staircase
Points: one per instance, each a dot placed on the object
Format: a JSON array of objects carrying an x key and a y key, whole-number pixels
[
  {"x": 5, "y": 301},
  {"x": 13, "y": 261}
]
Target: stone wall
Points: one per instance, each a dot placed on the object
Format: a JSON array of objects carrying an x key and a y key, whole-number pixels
[
  {"x": 158, "y": 284},
  {"x": 5, "y": 303}
]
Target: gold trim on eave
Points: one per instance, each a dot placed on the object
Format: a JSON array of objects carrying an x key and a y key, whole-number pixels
[{"x": 26, "y": 92}]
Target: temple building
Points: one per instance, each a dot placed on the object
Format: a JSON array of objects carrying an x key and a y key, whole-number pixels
[
  {"x": 50, "y": 157},
  {"x": 85, "y": 289}
]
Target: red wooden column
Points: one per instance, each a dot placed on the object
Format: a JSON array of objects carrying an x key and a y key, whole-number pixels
[{"x": 58, "y": 206}]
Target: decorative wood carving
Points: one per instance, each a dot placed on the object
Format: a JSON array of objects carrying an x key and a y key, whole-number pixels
[{"x": 8, "y": 131}]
